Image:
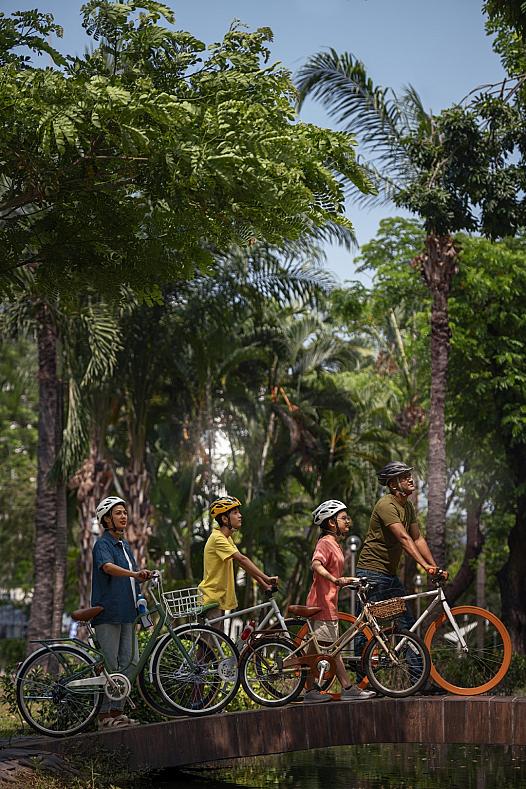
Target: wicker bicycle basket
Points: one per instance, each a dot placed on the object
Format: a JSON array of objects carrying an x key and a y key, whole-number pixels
[
  {"x": 388, "y": 609},
  {"x": 183, "y": 602}
]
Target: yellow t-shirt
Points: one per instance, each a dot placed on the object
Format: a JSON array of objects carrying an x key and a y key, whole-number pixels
[{"x": 218, "y": 582}]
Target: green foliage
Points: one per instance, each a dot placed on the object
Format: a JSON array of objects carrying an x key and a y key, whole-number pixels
[
  {"x": 18, "y": 440},
  {"x": 27, "y": 30},
  {"x": 507, "y": 23},
  {"x": 131, "y": 164},
  {"x": 456, "y": 170},
  {"x": 8, "y": 688},
  {"x": 488, "y": 355},
  {"x": 12, "y": 651},
  {"x": 514, "y": 683}
]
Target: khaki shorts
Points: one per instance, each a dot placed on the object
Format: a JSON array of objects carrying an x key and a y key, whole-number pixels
[
  {"x": 214, "y": 613},
  {"x": 325, "y": 629}
]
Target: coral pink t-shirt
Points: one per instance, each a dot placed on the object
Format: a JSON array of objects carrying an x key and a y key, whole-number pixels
[{"x": 324, "y": 593}]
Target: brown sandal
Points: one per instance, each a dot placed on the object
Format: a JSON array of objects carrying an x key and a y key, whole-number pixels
[
  {"x": 125, "y": 721},
  {"x": 111, "y": 723}
]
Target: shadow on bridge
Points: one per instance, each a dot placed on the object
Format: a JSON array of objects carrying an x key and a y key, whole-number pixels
[{"x": 297, "y": 727}]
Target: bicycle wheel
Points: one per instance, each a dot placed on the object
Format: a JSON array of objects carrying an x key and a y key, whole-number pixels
[
  {"x": 263, "y": 676},
  {"x": 350, "y": 661},
  {"x": 199, "y": 675},
  {"x": 42, "y": 695},
  {"x": 402, "y": 668},
  {"x": 153, "y": 697},
  {"x": 487, "y": 660}
]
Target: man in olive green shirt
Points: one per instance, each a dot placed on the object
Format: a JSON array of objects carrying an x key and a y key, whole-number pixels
[{"x": 393, "y": 528}]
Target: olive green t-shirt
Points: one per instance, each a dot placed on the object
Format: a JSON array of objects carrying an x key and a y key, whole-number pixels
[{"x": 381, "y": 550}]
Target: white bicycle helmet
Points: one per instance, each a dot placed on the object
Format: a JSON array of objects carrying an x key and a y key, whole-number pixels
[
  {"x": 106, "y": 505},
  {"x": 326, "y": 510}
]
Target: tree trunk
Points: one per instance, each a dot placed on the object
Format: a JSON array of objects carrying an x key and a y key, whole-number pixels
[
  {"x": 474, "y": 542},
  {"x": 61, "y": 560},
  {"x": 92, "y": 483},
  {"x": 137, "y": 488},
  {"x": 61, "y": 538},
  {"x": 512, "y": 578},
  {"x": 438, "y": 264},
  {"x": 410, "y": 566},
  {"x": 41, "y": 616},
  {"x": 436, "y": 460},
  {"x": 187, "y": 546},
  {"x": 296, "y": 582}
]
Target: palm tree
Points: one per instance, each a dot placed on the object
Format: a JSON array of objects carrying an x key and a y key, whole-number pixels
[
  {"x": 76, "y": 353},
  {"x": 411, "y": 167}
]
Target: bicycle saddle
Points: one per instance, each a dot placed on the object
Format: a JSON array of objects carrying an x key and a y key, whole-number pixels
[
  {"x": 87, "y": 614},
  {"x": 306, "y": 611}
]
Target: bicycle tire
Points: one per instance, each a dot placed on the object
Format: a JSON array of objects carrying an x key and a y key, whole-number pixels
[
  {"x": 263, "y": 677},
  {"x": 207, "y": 685},
  {"x": 489, "y": 657},
  {"x": 43, "y": 699},
  {"x": 405, "y": 676},
  {"x": 151, "y": 696},
  {"x": 347, "y": 653}
]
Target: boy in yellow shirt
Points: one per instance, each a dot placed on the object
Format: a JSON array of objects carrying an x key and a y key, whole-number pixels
[{"x": 220, "y": 553}]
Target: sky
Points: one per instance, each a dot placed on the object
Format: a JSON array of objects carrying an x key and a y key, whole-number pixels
[{"x": 438, "y": 46}]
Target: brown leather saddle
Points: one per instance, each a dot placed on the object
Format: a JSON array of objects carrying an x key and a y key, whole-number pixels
[
  {"x": 305, "y": 611},
  {"x": 87, "y": 614}
]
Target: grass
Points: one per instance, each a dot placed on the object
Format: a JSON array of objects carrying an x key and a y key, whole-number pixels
[
  {"x": 11, "y": 724},
  {"x": 101, "y": 770}
]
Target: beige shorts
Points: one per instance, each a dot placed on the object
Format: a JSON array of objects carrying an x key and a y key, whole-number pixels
[
  {"x": 213, "y": 613},
  {"x": 325, "y": 629}
]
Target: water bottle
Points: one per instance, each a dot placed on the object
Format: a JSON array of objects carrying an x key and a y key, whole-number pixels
[{"x": 142, "y": 610}]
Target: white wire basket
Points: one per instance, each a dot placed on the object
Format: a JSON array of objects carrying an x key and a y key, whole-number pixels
[{"x": 183, "y": 602}]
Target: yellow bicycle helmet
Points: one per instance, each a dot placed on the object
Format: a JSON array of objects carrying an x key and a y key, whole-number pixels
[{"x": 222, "y": 505}]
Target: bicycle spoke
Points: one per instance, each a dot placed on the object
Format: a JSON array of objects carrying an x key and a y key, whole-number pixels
[
  {"x": 483, "y": 665},
  {"x": 399, "y": 668},
  {"x": 264, "y": 677},
  {"x": 199, "y": 673},
  {"x": 43, "y": 698}
]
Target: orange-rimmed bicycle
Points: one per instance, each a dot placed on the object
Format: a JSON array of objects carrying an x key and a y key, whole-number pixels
[{"x": 470, "y": 647}]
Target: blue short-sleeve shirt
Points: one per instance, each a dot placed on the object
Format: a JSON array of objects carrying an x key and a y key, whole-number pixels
[{"x": 113, "y": 592}]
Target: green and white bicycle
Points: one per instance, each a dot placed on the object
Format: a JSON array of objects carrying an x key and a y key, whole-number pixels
[{"x": 186, "y": 670}]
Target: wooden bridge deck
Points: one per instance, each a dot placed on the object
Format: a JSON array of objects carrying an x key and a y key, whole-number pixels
[{"x": 190, "y": 741}]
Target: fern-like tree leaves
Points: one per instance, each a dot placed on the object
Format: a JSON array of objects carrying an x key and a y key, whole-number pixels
[{"x": 133, "y": 163}]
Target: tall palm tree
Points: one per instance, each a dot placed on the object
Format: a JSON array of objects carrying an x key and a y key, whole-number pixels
[{"x": 410, "y": 168}]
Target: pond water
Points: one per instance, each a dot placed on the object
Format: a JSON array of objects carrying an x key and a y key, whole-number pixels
[{"x": 367, "y": 767}]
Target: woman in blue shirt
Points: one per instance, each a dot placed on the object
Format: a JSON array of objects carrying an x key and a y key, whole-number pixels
[{"x": 115, "y": 587}]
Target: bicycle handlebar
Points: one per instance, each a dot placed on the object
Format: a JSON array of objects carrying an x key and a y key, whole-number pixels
[{"x": 267, "y": 594}]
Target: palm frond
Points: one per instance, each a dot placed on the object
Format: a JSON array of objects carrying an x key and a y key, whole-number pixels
[
  {"x": 342, "y": 85},
  {"x": 385, "y": 185},
  {"x": 103, "y": 338},
  {"x": 415, "y": 114},
  {"x": 330, "y": 233},
  {"x": 376, "y": 115}
]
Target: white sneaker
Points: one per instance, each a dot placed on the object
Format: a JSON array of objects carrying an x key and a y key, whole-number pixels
[{"x": 354, "y": 692}]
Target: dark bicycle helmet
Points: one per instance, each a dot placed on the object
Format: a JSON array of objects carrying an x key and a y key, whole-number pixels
[{"x": 392, "y": 470}]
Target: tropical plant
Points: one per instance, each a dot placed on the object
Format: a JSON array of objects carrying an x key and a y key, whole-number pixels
[
  {"x": 133, "y": 163},
  {"x": 109, "y": 179},
  {"x": 454, "y": 172}
]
